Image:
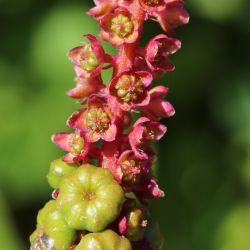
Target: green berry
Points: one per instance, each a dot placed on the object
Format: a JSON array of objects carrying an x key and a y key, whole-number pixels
[
  {"x": 90, "y": 198},
  {"x": 136, "y": 224},
  {"x": 59, "y": 169},
  {"x": 107, "y": 240},
  {"x": 52, "y": 230}
]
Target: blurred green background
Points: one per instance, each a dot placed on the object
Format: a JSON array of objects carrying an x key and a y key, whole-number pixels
[{"x": 203, "y": 162}]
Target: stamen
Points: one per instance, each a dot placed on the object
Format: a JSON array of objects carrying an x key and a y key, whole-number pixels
[
  {"x": 130, "y": 169},
  {"x": 76, "y": 144},
  {"x": 161, "y": 53},
  {"x": 148, "y": 133},
  {"x": 97, "y": 119},
  {"x": 122, "y": 25},
  {"x": 88, "y": 59},
  {"x": 129, "y": 88}
]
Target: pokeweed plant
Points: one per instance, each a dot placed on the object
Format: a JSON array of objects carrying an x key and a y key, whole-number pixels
[{"x": 103, "y": 183}]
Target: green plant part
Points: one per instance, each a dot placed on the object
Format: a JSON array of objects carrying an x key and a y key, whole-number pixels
[
  {"x": 136, "y": 224},
  {"x": 52, "y": 230},
  {"x": 90, "y": 198},
  {"x": 59, "y": 169},
  {"x": 107, "y": 240},
  {"x": 154, "y": 236}
]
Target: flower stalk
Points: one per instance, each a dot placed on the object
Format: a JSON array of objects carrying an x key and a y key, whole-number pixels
[{"x": 103, "y": 184}]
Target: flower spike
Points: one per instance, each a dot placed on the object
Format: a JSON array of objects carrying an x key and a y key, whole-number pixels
[{"x": 103, "y": 184}]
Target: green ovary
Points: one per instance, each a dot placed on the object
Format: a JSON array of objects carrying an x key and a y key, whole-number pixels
[
  {"x": 97, "y": 119},
  {"x": 136, "y": 224},
  {"x": 59, "y": 169},
  {"x": 76, "y": 144},
  {"x": 122, "y": 25},
  {"x": 130, "y": 169},
  {"x": 107, "y": 240},
  {"x": 129, "y": 88},
  {"x": 90, "y": 198},
  {"x": 52, "y": 230},
  {"x": 89, "y": 62}
]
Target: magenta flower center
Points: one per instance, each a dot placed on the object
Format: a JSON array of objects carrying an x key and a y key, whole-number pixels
[
  {"x": 76, "y": 144},
  {"x": 129, "y": 88},
  {"x": 97, "y": 119},
  {"x": 88, "y": 59},
  {"x": 122, "y": 25}
]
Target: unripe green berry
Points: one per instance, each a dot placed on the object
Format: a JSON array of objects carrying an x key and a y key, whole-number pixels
[
  {"x": 136, "y": 224},
  {"x": 52, "y": 230},
  {"x": 107, "y": 240},
  {"x": 90, "y": 198},
  {"x": 58, "y": 169}
]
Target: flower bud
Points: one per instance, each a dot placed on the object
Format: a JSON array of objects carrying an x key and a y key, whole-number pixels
[
  {"x": 136, "y": 224},
  {"x": 158, "y": 51},
  {"x": 158, "y": 107},
  {"x": 173, "y": 16}
]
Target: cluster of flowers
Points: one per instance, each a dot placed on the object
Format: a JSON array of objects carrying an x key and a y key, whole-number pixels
[{"x": 89, "y": 199}]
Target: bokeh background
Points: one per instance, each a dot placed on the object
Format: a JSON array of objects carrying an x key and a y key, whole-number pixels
[{"x": 203, "y": 162}]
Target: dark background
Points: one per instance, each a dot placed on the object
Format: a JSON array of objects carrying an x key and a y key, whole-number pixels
[{"x": 203, "y": 162}]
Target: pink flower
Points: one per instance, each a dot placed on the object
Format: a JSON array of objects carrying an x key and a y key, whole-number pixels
[
  {"x": 143, "y": 133},
  {"x": 148, "y": 189},
  {"x": 74, "y": 143},
  {"x": 172, "y": 16},
  {"x": 88, "y": 58},
  {"x": 102, "y": 8},
  {"x": 108, "y": 158},
  {"x": 119, "y": 27},
  {"x": 133, "y": 220},
  {"x": 130, "y": 89},
  {"x": 158, "y": 50},
  {"x": 158, "y": 107},
  {"x": 86, "y": 87},
  {"x": 152, "y": 6},
  {"x": 137, "y": 176},
  {"x": 133, "y": 168},
  {"x": 97, "y": 121}
]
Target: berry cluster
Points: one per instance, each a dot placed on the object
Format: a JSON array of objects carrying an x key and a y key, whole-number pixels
[{"x": 103, "y": 183}]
